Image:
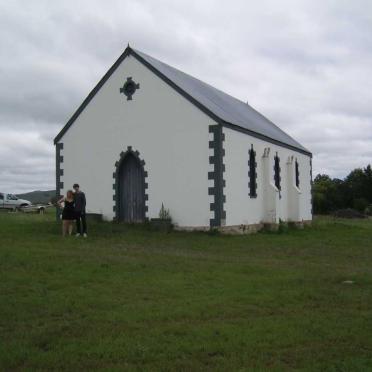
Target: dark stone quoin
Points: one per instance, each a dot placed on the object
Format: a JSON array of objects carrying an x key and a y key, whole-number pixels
[{"x": 217, "y": 176}]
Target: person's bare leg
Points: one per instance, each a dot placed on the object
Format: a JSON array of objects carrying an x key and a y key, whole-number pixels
[
  {"x": 64, "y": 228},
  {"x": 70, "y": 227}
]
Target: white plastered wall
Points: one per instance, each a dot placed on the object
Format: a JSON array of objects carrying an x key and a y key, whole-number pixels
[
  {"x": 267, "y": 206},
  {"x": 170, "y": 134}
]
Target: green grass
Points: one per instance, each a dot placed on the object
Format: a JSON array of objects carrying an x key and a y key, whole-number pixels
[{"x": 128, "y": 298}]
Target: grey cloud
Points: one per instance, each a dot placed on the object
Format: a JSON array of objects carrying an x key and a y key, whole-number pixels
[{"x": 305, "y": 66}]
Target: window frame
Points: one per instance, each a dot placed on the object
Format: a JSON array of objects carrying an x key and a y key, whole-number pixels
[
  {"x": 297, "y": 174},
  {"x": 277, "y": 170},
  {"x": 252, "y": 173}
]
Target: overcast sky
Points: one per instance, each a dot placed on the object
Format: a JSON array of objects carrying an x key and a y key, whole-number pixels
[{"x": 306, "y": 65}]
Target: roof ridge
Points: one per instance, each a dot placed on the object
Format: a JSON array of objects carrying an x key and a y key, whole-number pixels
[
  {"x": 294, "y": 144},
  {"x": 195, "y": 78}
]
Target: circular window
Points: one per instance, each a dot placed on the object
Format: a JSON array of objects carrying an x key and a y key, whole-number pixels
[{"x": 129, "y": 88}]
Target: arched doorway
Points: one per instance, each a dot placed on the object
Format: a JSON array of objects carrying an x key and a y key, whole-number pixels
[{"x": 131, "y": 184}]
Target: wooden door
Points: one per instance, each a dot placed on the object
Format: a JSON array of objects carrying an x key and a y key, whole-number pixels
[{"x": 131, "y": 190}]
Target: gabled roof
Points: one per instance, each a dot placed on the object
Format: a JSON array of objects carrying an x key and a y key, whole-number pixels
[{"x": 223, "y": 108}]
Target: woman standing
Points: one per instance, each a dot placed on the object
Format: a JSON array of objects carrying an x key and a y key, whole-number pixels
[{"x": 68, "y": 213}]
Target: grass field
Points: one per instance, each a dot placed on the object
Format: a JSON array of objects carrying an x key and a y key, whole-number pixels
[{"x": 130, "y": 299}]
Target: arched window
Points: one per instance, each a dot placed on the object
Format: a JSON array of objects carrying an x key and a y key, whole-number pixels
[
  {"x": 297, "y": 174},
  {"x": 277, "y": 178},
  {"x": 252, "y": 173}
]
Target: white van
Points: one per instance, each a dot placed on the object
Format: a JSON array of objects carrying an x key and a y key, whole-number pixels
[{"x": 10, "y": 201}]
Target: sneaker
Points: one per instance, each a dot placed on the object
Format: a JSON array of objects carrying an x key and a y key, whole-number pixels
[
  {"x": 77, "y": 235},
  {"x": 85, "y": 235}
]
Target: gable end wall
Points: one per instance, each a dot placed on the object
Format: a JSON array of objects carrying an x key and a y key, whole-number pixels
[{"x": 170, "y": 133}]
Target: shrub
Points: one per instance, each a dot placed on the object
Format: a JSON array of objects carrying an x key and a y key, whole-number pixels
[
  {"x": 348, "y": 213},
  {"x": 164, "y": 214},
  {"x": 360, "y": 204},
  {"x": 368, "y": 210}
]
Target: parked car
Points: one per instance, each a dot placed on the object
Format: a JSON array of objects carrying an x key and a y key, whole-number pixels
[{"x": 10, "y": 201}]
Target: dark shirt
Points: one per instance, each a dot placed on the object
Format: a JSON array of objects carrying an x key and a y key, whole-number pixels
[{"x": 80, "y": 202}]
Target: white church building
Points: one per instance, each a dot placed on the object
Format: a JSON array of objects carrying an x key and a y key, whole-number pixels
[{"x": 149, "y": 134}]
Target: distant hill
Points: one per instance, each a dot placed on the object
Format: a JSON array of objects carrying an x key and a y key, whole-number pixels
[{"x": 37, "y": 197}]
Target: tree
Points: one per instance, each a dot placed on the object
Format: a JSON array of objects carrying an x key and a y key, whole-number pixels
[
  {"x": 327, "y": 195},
  {"x": 355, "y": 191}
]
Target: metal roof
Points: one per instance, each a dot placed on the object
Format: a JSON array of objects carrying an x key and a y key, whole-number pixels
[{"x": 225, "y": 109}]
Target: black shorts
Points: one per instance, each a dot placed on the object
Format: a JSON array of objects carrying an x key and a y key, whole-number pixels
[{"x": 68, "y": 215}]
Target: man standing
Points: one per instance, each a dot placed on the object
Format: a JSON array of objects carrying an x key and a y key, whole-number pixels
[{"x": 80, "y": 203}]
